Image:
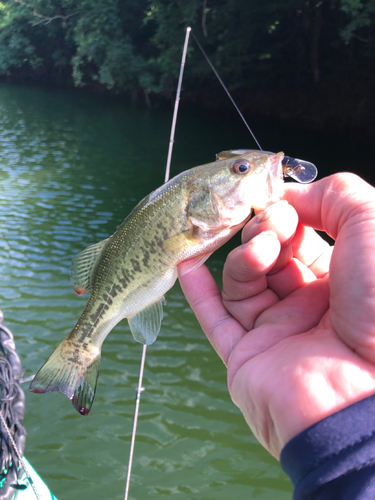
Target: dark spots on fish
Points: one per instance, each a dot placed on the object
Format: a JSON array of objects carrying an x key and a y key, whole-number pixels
[
  {"x": 166, "y": 235},
  {"x": 88, "y": 326},
  {"x": 136, "y": 266},
  {"x": 115, "y": 290},
  {"x": 75, "y": 359},
  {"x": 124, "y": 283},
  {"x": 86, "y": 334},
  {"x": 151, "y": 246},
  {"x": 95, "y": 317},
  {"x": 125, "y": 279},
  {"x": 146, "y": 257}
]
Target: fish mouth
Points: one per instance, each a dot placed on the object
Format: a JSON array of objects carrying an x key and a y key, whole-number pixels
[{"x": 275, "y": 177}]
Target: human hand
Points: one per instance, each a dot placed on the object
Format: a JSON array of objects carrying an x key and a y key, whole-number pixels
[{"x": 295, "y": 322}]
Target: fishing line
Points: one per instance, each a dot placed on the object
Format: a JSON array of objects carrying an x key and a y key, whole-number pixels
[
  {"x": 177, "y": 102},
  {"x": 226, "y": 90},
  {"x": 21, "y": 461},
  {"x": 140, "y": 389}
]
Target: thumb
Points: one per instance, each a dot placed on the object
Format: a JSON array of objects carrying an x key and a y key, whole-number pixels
[{"x": 343, "y": 205}]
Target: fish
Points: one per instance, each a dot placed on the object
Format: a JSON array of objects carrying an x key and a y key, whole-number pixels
[{"x": 128, "y": 274}]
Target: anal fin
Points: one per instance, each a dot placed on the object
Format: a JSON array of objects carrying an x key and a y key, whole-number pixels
[{"x": 145, "y": 326}]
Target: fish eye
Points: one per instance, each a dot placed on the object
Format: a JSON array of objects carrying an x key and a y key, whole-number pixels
[{"x": 241, "y": 167}]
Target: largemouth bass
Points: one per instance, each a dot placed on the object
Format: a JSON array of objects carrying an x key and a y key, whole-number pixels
[{"x": 185, "y": 220}]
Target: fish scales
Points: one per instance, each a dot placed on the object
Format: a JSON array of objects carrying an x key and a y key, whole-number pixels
[{"x": 183, "y": 221}]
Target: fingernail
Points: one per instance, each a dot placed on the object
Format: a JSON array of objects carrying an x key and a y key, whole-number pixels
[{"x": 266, "y": 214}]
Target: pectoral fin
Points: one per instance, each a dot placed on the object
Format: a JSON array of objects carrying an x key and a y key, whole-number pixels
[
  {"x": 200, "y": 234},
  {"x": 145, "y": 326},
  {"x": 192, "y": 264},
  {"x": 179, "y": 242},
  {"x": 83, "y": 267}
]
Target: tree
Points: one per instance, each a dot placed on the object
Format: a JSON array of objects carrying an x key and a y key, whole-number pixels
[{"x": 134, "y": 46}]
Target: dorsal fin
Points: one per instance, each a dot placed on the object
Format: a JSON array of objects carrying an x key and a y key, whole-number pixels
[
  {"x": 145, "y": 325},
  {"x": 83, "y": 267}
]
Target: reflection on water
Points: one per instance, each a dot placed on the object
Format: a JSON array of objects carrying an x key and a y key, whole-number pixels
[{"x": 71, "y": 168}]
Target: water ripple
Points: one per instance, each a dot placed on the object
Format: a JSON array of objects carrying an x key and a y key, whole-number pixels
[{"x": 71, "y": 168}]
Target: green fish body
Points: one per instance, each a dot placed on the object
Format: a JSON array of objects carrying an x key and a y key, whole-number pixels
[{"x": 185, "y": 220}]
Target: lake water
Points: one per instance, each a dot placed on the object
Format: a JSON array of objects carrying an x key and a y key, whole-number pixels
[{"x": 72, "y": 166}]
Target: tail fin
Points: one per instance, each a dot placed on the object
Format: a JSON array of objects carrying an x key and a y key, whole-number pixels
[{"x": 70, "y": 374}]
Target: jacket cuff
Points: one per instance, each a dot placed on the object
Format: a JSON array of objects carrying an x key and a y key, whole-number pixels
[{"x": 334, "y": 458}]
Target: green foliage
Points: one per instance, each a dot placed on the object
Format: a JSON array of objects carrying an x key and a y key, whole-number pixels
[
  {"x": 135, "y": 46},
  {"x": 361, "y": 14},
  {"x": 16, "y": 49}
]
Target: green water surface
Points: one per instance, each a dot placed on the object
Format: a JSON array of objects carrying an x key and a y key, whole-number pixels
[{"x": 72, "y": 166}]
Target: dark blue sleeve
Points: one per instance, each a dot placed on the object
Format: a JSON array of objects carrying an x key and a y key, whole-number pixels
[{"x": 335, "y": 458}]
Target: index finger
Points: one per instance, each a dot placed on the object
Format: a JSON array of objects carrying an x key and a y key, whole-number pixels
[{"x": 204, "y": 297}]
